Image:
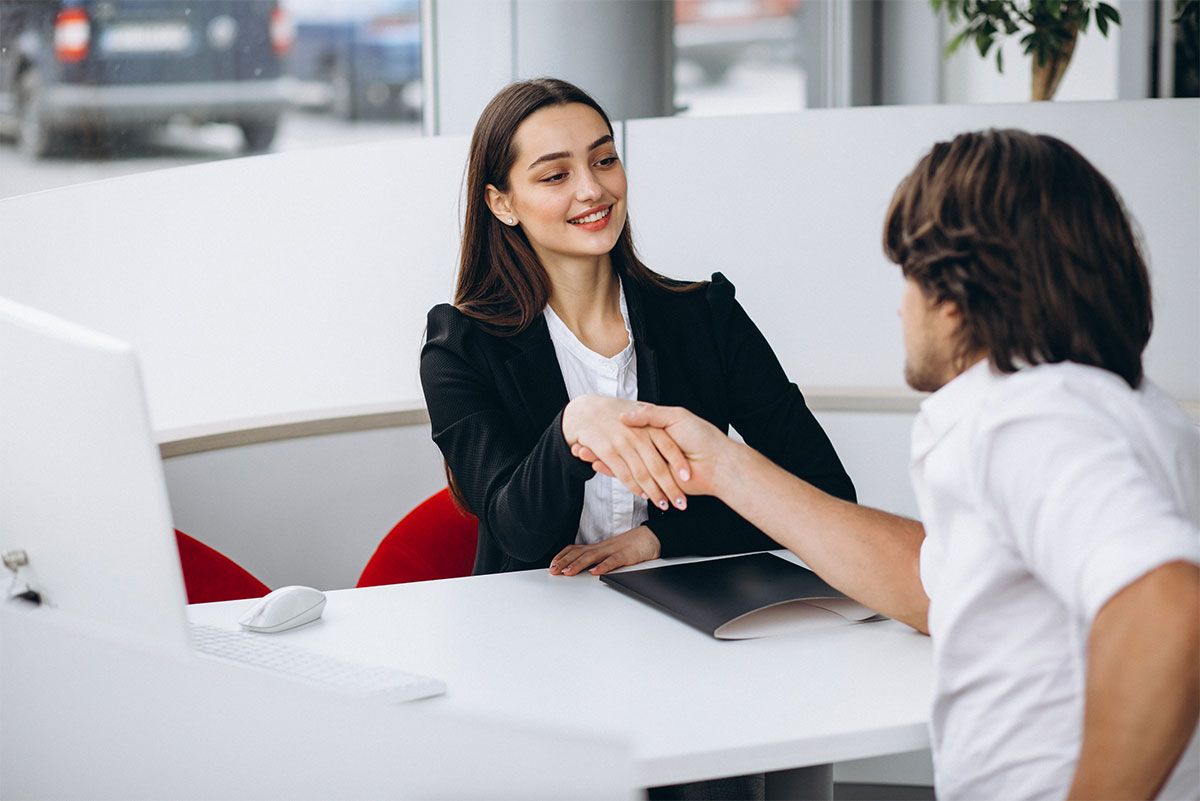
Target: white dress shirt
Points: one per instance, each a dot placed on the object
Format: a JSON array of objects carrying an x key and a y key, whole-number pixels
[
  {"x": 1043, "y": 494},
  {"x": 608, "y": 508}
]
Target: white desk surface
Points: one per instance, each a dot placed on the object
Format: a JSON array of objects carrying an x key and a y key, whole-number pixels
[{"x": 555, "y": 651}]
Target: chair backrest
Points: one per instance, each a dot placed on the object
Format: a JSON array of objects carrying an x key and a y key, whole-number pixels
[
  {"x": 209, "y": 575},
  {"x": 436, "y": 540}
]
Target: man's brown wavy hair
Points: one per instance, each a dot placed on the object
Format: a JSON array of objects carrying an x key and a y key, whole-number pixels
[{"x": 1032, "y": 244}]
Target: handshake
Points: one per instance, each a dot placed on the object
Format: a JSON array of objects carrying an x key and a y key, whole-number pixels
[{"x": 661, "y": 453}]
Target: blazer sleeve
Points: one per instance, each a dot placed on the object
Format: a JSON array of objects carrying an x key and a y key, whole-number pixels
[
  {"x": 769, "y": 412},
  {"x": 529, "y": 499}
]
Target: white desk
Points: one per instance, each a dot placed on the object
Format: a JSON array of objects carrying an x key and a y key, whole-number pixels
[{"x": 551, "y": 650}]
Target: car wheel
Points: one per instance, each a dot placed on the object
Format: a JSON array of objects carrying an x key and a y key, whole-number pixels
[
  {"x": 345, "y": 98},
  {"x": 35, "y": 136},
  {"x": 259, "y": 134}
]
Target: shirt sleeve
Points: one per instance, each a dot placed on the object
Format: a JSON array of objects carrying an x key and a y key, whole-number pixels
[
  {"x": 530, "y": 499},
  {"x": 1082, "y": 510}
]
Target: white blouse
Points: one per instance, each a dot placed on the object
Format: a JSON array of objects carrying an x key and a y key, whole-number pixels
[{"x": 608, "y": 508}]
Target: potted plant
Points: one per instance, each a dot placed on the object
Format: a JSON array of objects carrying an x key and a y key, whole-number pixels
[{"x": 1049, "y": 28}]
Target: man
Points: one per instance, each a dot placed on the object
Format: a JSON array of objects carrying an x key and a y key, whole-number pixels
[{"x": 1056, "y": 568}]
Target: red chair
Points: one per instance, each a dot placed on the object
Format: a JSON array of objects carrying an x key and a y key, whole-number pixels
[
  {"x": 435, "y": 540},
  {"x": 209, "y": 575}
]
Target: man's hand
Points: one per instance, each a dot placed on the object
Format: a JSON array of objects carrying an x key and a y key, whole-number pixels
[
  {"x": 645, "y": 460},
  {"x": 703, "y": 447},
  {"x": 635, "y": 545}
]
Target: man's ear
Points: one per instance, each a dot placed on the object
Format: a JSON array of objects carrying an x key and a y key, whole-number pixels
[{"x": 500, "y": 203}]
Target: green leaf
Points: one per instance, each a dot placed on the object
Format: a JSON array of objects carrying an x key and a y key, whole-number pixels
[
  {"x": 956, "y": 42},
  {"x": 1101, "y": 23},
  {"x": 1000, "y": 60},
  {"x": 984, "y": 42}
]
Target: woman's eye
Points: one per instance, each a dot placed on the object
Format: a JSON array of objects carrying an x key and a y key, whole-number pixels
[
  {"x": 607, "y": 161},
  {"x": 555, "y": 178}
]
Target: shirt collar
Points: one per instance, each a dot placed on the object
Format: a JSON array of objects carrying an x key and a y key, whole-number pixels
[
  {"x": 560, "y": 333},
  {"x": 942, "y": 411}
]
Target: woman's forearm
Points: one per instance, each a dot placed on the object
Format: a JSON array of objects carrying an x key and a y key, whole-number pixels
[{"x": 530, "y": 504}]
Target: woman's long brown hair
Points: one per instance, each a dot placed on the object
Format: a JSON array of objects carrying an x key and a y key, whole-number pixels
[{"x": 501, "y": 282}]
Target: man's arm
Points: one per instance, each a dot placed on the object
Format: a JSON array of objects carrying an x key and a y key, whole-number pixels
[
  {"x": 1143, "y": 685},
  {"x": 872, "y": 556}
]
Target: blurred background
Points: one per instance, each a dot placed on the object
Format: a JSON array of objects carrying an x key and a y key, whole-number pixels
[{"x": 91, "y": 89}]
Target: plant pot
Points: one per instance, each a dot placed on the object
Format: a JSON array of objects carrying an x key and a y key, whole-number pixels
[{"x": 1047, "y": 76}]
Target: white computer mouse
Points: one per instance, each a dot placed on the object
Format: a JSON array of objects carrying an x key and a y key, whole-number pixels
[{"x": 283, "y": 609}]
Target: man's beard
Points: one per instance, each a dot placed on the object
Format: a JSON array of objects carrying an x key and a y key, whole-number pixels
[{"x": 923, "y": 374}]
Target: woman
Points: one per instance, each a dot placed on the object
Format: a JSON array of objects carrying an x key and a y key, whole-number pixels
[{"x": 557, "y": 327}]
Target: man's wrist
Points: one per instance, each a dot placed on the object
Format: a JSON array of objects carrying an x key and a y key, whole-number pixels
[{"x": 732, "y": 466}]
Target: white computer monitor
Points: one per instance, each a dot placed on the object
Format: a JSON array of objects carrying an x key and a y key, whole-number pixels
[{"x": 81, "y": 483}]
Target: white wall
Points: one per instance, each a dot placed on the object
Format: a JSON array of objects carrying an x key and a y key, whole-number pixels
[
  {"x": 256, "y": 286},
  {"x": 300, "y": 281},
  {"x": 790, "y": 207}
]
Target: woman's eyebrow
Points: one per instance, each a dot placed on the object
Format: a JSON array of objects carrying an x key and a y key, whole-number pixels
[{"x": 564, "y": 154}]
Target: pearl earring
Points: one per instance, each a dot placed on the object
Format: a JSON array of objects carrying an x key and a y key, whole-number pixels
[{"x": 511, "y": 221}]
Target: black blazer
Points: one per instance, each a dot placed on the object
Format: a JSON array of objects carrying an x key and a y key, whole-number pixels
[{"x": 496, "y": 406}]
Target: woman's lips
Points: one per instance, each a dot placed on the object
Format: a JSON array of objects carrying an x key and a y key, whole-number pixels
[{"x": 593, "y": 221}]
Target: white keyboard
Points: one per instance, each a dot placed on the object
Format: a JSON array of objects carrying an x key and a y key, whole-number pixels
[{"x": 383, "y": 684}]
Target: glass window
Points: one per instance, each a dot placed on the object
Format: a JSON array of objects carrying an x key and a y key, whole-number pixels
[
  {"x": 92, "y": 89},
  {"x": 739, "y": 56}
]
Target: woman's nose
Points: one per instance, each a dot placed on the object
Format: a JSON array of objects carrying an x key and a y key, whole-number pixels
[{"x": 589, "y": 188}]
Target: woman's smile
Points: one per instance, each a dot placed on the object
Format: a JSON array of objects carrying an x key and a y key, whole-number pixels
[{"x": 593, "y": 219}]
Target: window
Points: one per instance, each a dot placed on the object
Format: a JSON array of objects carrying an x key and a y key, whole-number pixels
[
  {"x": 739, "y": 56},
  {"x": 92, "y": 89}
]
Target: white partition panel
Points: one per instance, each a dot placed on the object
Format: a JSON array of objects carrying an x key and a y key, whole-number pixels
[
  {"x": 257, "y": 286},
  {"x": 300, "y": 281},
  {"x": 790, "y": 207}
]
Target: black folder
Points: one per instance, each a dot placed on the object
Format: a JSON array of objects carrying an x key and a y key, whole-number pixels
[{"x": 741, "y": 597}]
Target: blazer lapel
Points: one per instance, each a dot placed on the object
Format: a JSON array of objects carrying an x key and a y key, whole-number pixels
[
  {"x": 536, "y": 374},
  {"x": 643, "y": 344}
]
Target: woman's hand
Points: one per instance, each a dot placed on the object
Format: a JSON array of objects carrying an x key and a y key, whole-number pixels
[
  {"x": 705, "y": 448},
  {"x": 635, "y": 545},
  {"x": 644, "y": 459}
]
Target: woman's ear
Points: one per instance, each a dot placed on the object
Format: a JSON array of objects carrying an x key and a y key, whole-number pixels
[{"x": 501, "y": 205}]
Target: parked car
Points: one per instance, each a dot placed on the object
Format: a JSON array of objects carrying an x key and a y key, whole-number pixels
[
  {"x": 365, "y": 54},
  {"x": 124, "y": 65}
]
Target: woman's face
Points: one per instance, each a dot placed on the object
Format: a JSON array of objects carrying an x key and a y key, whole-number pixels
[{"x": 567, "y": 187}]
